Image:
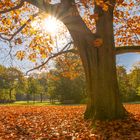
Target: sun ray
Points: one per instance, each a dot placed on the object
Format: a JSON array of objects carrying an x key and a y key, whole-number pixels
[{"x": 48, "y": 25}]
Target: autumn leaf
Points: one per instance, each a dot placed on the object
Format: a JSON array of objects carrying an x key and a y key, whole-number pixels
[
  {"x": 18, "y": 41},
  {"x": 32, "y": 57},
  {"x": 63, "y": 123},
  {"x": 49, "y": 49},
  {"x": 105, "y": 7},
  {"x": 20, "y": 55},
  {"x": 120, "y": 1}
]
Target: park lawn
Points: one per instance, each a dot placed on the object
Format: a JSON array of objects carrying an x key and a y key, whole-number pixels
[
  {"x": 64, "y": 123},
  {"x": 46, "y": 103},
  {"x": 31, "y": 103}
]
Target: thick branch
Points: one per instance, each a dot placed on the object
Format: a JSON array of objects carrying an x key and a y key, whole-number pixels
[
  {"x": 43, "y": 5},
  {"x": 68, "y": 13},
  {"x": 59, "y": 10},
  {"x": 127, "y": 49},
  {"x": 13, "y": 8}
]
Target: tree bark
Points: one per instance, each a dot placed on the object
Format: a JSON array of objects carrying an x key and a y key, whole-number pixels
[
  {"x": 98, "y": 62},
  {"x": 100, "y": 68}
]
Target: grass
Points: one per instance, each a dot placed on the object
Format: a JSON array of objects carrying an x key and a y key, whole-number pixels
[
  {"x": 135, "y": 102},
  {"x": 45, "y": 103},
  {"x": 31, "y": 103}
]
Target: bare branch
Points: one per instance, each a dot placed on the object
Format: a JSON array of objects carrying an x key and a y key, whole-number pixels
[
  {"x": 66, "y": 46},
  {"x": 4, "y": 38},
  {"x": 127, "y": 49},
  {"x": 51, "y": 57},
  {"x": 13, "y": 8}
]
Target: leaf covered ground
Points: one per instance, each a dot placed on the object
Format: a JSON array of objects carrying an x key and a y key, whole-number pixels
[{"x": 64, "y": 123}]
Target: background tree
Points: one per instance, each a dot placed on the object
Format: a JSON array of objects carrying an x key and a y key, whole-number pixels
[
  {"x": 65, "y": 89},
  {"x": 11, "y": 81},
  {"x": 3, "y": 91},
  {"x": 14, "y": 77},
  {"x": 32, "y": 88},
  {"x": 2, "y": 76},
  {"x": 134, "y": 78},
  {"x": 22, "y": 89},
  {"x": 42, "y": 80},
  {"x": 97, "y": 50},
  {"x": 127, "y": 92}
]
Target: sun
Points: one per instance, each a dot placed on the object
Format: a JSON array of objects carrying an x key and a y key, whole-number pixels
[
  {"x": 48, "y": 25},
  {"x": 51, "y": 25}
]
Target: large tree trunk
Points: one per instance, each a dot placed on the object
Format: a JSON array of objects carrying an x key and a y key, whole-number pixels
[
  {"x": 103, "y": 93},
  {"x": 100, "y": 67},
  {"x": 98, "y": 62},
  {"x": 104, "y": 100}
]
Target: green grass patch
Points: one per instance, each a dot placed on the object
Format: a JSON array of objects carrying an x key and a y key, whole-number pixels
[
  {"x": 30, "y": 103},
  {"x": 46, "y": 103},
  {"x": 135, "y": 102}
]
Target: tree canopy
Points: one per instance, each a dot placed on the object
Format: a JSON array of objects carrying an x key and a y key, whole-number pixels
[{"x": 17, "y": 18}]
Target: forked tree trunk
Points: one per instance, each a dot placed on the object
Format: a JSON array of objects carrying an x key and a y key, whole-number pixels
[
  {"x": 104, "y": 100},
  {"x": 99, "y": 63},
  {"x": 100, "y": 68},
  {"x": 103, "y": 93}
]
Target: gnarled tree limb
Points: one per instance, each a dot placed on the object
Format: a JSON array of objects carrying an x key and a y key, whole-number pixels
[{"x": 127, "y": 49}]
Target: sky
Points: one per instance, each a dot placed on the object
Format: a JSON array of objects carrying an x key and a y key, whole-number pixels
[{"x": 127, "y": 60}]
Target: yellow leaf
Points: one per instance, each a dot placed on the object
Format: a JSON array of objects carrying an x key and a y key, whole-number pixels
[
  {"x": 105, "y": 7},
  {"x": 20, "y": 55},
  {"x": 18, "y": 41},
  {"x": 32, "y": 57},
  {"x": 49, "y": 49}
]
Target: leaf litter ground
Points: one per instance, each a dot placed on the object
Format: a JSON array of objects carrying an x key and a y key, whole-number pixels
[{"x": 64, "y": 123}]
